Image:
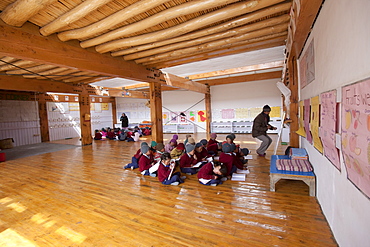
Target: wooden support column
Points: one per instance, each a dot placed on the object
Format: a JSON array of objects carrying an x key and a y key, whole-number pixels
[
  {"x": 156, "y": 111},
  {"x": 85, "y": 119},
  {"x": 114, "y": 111},
  {"x": 208, "y": 112},
  {"x": 43, "y": 114},
  {"x": 294, "y": 98}
]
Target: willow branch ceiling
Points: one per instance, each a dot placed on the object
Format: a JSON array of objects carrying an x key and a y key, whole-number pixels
[{"x": 156, "y": 34}]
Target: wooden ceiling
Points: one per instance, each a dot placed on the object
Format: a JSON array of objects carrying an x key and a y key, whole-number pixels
[{"x": 81, "y": 42}]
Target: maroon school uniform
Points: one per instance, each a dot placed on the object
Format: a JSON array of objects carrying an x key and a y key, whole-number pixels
[
  {"x": 98, "y": 136},
  {"x": 211, "y": 142},
  {"x": 201, "y": 155},
  {"x": 138, "y": 154},
  {"x": 237, "y": 162},
  {"x": 145, "y": 162},
  {"x": 206, "y": 172},
  {"x": 186, "y": 161},
  {"x": 111, "y": 135},
  {"x": 227, "y": 159},
  {"x": 163, "y": 172}
]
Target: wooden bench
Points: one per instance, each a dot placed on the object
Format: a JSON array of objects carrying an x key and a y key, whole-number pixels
[{"x": 275, "y": 175}]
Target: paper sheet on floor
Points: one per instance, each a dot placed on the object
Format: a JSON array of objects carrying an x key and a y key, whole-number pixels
[
  {"x": 242, "y": 171},
  {"x": 248, "y": 157},
  {"x": 238, "y": 177}
]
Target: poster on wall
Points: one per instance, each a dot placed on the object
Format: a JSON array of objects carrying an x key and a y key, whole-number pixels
[
  {"x": 98, "y": 107},
  {"x": 192, "y": 116},
  {"x": 228, "y": 113},
  {"x": 216, "y": 114},
  {"x": 275, "y": 111},
  {"x": 301, "y": 131},
  {"x": 76, "y": 106},
  {"x": 104, "y": 106},
  {"x": 315, "y": 122},
  {"x": 241, "y": 113},
  {"x": 165, "y": 117},
  {"x": 174, "y": 117},
  {"x": 328, "y": 124},
  {"x": 253, "y": 112},
  {"x": 202, "y": 116},
  {"x": 307, "y": 112},
  {"x": 355, "y": 134},
  {"x": 307, "y": 66},
  {"x": 62, "y": 107}
]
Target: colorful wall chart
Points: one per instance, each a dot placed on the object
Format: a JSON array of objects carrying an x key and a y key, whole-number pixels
[
  {"x": 301, "y": 131},
  {"x": 228, "y": 113},
  {"x": 356, "y": 134},
  {"x": 202, "y": 116},
  {"x": 328, "y": 126},
  {"x": 314, "y": 123},
  {"x": 306, "y": 119},
  {"x": 253, "y": 112},
  {"x": 241, "y": 113},
  {"x": 307, "y": 66},
  {"x": 275, "y": 111},
  {"x": 192, "y": 116}
]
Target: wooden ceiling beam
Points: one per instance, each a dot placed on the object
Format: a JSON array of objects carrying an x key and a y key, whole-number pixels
[
  {"x": 114, "y": 92},
  {"x": 243, "y": 78},
  {"x": 222, "y": 44},
  {"x": 26, "y": 43},
  {"x": 163, "y": 16},
  {"x": 250, "y": 68},
  {"x": 213, "y": 37},
  {"x": 188, "y": 26},
  {"x": 236, "y": 22},
  {"x": 213, "y": 45},
  {"x": 176, "y": 81},
  {"x": 17, "y": 13},
  {"x": 279, "y": 41}
]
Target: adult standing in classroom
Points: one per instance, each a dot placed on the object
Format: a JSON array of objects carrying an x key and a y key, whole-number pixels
[
  {"x": 124, "y": 120},
  {"x": 260, "y": 127}
]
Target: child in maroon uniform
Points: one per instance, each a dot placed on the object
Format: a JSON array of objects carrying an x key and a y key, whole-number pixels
[
  {"x": 227, "y": 158},
  {"x": 165, "y": 169},
  {"x": 111, "y": 135},
  {"x": 212, "y": 145},
  {"x": 98, "y": 135},
  {"x": 210, "y": 174},
  {"x": 135, "y": 159},
  {"x": 200, "y": 152},
  {"x": 187, "y": 160},
  {"x": 146, "y": 161}
]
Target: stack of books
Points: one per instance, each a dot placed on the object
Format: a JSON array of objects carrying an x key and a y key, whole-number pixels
[{"x": 298, "y": 154}]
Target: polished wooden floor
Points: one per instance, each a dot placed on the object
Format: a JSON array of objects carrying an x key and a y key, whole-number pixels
[{"x": 83, "y": 197}]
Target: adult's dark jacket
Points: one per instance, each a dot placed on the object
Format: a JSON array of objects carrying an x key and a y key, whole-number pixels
[
  {"x": 260, "y": 124},
  {"x": 124, "y": 120}
]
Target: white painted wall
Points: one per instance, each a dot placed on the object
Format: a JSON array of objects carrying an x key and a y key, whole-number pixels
[
  {"x": 342, "y": 56},
  {"x": 239, "y": 95},
  {"x": 246, "y": 95}
]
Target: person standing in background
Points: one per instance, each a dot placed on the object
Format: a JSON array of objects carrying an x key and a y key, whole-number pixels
[
  {"x": 260, "y": 126},
  {"x": 124, "y": 120}
]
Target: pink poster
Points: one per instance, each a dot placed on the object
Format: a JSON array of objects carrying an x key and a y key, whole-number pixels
[
  {"x": 228, "y": 113},
  {"x": 307, "y": 113},
  {"x": 356, "y": 134},
  {"x": 328, "y": 120}
]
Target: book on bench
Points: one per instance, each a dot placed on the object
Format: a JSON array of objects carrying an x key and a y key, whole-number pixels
[{"x": 298, "y": 154}]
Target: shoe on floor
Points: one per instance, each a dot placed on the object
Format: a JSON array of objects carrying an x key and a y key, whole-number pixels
[
  {"x": 213, "y": 184},
  {"x": 175, "y": 183},
  {"x": 153, "y": 174},
  {"x": 188, "y": 173},
  {"x": 223, "y": 179},
  {"x": 132, "y": 168},
  {"x": 183, "y": 177}
]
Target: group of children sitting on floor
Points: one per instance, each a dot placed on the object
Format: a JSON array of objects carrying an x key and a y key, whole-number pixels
[
  {"x": 213, "y": 161},
  {"x": 122, "y": 134}
]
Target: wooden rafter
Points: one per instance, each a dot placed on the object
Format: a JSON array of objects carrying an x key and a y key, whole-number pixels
[
  {"x": 194, "y": 24},
  {"x": 20, "y": 11},
  {"x": 278, "y": 41},
  {"x": 26, "y": 43},
  {"x": 260, "y": 35},
  {"x": 256, "y": 67},
  {"x": 179, "y": 10},
  {"x": 239, "y": 21},
  {"x": 213, "y": 37},
  {"x": 243, "y": 78}
]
